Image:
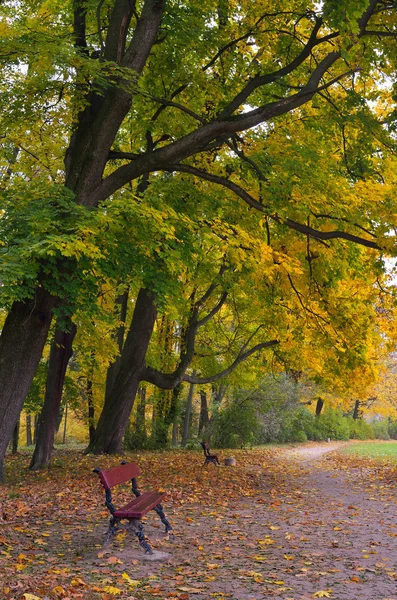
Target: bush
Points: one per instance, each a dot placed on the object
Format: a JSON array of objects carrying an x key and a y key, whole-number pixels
[
  {"x": 393, "y": 430},
  {"x": 380, "y": 429},
  {"x": 330, "y": 424},
  {"x": 235, "y": 426},
  {"x": 360, "y": 430}
]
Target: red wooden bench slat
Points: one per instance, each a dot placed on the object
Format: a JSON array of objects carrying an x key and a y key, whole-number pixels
[
  {"x": 140, "y": 506},
  {"x": 118, "y": 475}
]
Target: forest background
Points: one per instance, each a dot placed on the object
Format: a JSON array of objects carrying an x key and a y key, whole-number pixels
[{"x": 196, "y": 199}]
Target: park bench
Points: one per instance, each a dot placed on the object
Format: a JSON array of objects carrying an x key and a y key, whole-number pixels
[
  {"x": 134, "y": 510},
  {"x": 209, "y": 458}
]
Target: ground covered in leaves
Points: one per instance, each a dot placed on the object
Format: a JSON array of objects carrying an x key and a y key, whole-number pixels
[{"x": 297, "y": 523}]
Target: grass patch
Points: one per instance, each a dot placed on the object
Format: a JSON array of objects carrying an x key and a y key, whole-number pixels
[{"x": 377, "y": 449}]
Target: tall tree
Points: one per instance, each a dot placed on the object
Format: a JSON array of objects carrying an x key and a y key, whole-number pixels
[{"x": 226, "y": 85}]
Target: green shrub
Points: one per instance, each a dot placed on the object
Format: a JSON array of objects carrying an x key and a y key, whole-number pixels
[
  {"x": 330, "y": 424},
  {"x": 381, "y": 430},
  {"x": 236, "y": 425},
  {"x": 360, "y": 430},
  {"x": 393, "y": 430}
]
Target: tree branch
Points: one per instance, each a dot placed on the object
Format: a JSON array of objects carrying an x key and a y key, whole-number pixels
[
  {"x": 213, "y": 312},
  {"x": 261, "y": 80},
  {"x": 248, "y": 199},
  {"x": 197, "y": 140},
  {"x": 240, "y": 358}
]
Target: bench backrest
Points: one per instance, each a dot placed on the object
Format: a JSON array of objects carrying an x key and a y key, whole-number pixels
[{"x": 117, "y": 475}]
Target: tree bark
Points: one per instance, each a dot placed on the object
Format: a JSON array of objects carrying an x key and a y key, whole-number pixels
[
  {"x": 60, "y": 353},
  {"x": 186, "y": 424},
  {"x": 319, "y": 406},
  {"x": 120, "y": 400},
  {"x": 21, "y": 345},
  {"x": 356, "y": 411}
]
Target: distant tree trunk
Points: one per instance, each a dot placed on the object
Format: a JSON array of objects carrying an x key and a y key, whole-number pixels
[
  {"x": 65, "y": 424},
  {"x": 15, "y": 437},
  {"x": 356, "y": 411},
  {"x": 36, "y": 424},
  {"x": 188, "y": 413},
  {"x": 140, "y": 422},
  {"x": 91, "y": 410},
  {"x": 29, "y": 440},
  {"x": 175, "y": 431},
  {"x": 120, "y": 400},
  {"x": 60, "y": 353},
  {"x": 319, "y": 406},
  {"x": 121, "y": 312},
  {"x": 59, "y": 419},
  {"x": 204, "y": 416}
]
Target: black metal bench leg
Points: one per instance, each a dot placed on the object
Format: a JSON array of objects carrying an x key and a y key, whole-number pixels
[
  {"x": 137, "y": 526},
  {"x": 113, "y": 526},
  {"x": 159, "y": 510}
]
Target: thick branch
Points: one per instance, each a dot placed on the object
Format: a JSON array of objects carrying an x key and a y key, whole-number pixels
[
  {"x": 118, "y": 28},
  {"x": 144, "y": 36},
  {"x": 100, "y": 121},
  {"x": 213, "y": 312},
  {"x": 79, "y": 28},
  {"x": 197, "y": 140},
  {"x": 261, "y": 80},
  {"x": 240, "y": 358},
  {"x": 169, "y": 382},
  {"x": 248, "y": 199}
]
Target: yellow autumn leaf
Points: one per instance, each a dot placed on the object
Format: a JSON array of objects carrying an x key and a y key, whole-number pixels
[
  {"x": 260, "y": 558},
  {"x": 31, "y": 597},
  {"x": 58, "y": 590},
  {"x": 109, "y": 589},
  {"x": 323, "y": 594},
  {"x": 131, "y": 582}
]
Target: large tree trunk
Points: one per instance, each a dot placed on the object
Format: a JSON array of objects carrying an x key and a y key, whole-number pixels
[
  {"x": 120, "y": 400},
  {"x": 21, "y": 345},
  {"x": 61, "y": 351}
]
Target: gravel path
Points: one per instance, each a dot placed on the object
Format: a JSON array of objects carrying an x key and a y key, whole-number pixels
[{"x": 341, "y": 524}]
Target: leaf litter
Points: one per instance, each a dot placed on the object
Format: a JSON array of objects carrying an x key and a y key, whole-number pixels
[{"x": 306, "y": 522}]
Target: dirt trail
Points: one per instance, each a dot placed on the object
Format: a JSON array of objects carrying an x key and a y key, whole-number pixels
[
  {"x": 311, "y": 452},
  {"x": 318, "y": 530},
  {"x": 296, "y": 524}
]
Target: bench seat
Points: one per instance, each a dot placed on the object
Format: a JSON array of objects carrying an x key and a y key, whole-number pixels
[
  {"x": 134, "y": 510},
  {"x": 138, "y": 507}
]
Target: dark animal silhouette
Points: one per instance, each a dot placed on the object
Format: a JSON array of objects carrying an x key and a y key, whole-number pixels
[{"x": 209, "y": 458}]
